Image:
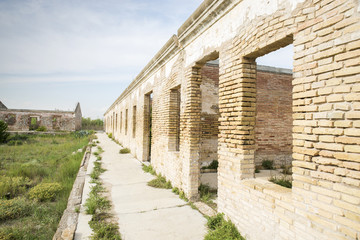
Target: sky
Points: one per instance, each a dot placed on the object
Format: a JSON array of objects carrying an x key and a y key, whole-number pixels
[{"x": 55, "y": 53}]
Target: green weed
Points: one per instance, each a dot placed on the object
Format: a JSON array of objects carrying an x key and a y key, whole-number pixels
[
  {"x": 160, "y": 182},
  {"x": 282, "y": 181},
  {"x": 124, "y": 150},
  {"x": 220, "y": 229},
  {"x": 213, "y": 165},
  {"x": 148, "y": 169},
  {"x": 103, "y": 229}
]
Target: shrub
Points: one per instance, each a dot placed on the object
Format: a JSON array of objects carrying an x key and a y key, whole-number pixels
[
  {"x": 82, "y": 133},
  {"x": 267, "y": 164},
  {"x": 221, "y": 229},
  {"x": 110, "y": 135},
  {"x": 45, "y": 191},
  {"x": 14, "y": 208},
  {"x": 124, "y": 150},
  {"x": 12, "y": 186},
  {"x": 3, "y": 134},
  {"x": 41, "y": 129}
]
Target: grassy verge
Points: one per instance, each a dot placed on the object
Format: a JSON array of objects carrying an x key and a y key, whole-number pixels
[
  {"x": 36, "y": 176},
  {"x": 98, "y": 205}
]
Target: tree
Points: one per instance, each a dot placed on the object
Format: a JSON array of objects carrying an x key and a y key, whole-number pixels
[{"x": 3, "y": 134}]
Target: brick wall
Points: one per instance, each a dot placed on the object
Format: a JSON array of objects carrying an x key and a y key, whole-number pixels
[
  {"x": 324, "y": 201},
  {"x": 273, "y": 127},
  {"x": 209, "y": 113}
]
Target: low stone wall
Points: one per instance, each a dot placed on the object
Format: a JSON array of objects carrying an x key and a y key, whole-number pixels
[{"x": 68, "y": 222}]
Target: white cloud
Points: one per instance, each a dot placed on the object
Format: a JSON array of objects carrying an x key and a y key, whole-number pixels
[
  {"x": 43, "y": 37},
  {"x": 57, "y": 52}
]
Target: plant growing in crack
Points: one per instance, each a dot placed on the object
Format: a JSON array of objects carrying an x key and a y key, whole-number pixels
[{"x": 98, "y": 206}]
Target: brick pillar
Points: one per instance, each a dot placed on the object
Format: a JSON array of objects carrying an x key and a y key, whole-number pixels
[
  {"x": 190, "y": 134},
  {"x": 237, "y": 99}
]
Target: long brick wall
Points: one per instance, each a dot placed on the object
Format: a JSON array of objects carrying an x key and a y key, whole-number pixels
[{"x": 325, "y": 98}]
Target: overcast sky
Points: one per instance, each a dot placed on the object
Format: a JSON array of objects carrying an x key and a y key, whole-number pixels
[{"x": 55, "y": 53}]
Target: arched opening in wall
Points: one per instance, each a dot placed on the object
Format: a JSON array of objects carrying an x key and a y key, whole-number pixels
[
  {"x": 147, "y": 135},
  {"x": 273, "y": 126},
  {"x": 209, "y": 126}
]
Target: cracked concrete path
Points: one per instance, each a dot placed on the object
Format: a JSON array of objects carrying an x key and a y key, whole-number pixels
[{"x": 144, "y": 212}]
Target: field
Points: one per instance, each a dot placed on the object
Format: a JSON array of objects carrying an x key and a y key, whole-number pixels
[{"x": 36, "y": 177}]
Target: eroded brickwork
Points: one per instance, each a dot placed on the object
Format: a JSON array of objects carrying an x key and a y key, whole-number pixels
[{"x": 324, "y": 201}]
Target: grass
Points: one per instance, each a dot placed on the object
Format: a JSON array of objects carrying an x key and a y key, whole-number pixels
[
  {"x": 220, "y": 229},
  {"x": 98, "y": 206},
  {"x": 124, "y": 150},
  {"x": 282, "y": 181},
  {"x": 148, "y": 169},
  {"x": 160, "y": 182},
  {"x": 39, "y": 159}
]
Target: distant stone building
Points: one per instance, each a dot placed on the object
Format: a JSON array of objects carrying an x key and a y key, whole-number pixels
[{"x": 28, "y": 120}]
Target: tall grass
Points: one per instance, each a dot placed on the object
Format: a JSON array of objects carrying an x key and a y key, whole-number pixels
[{"x": 39, "y": 159}]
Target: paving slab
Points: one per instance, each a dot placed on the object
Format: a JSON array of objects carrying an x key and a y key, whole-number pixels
[{"x": 144, "y": 212}]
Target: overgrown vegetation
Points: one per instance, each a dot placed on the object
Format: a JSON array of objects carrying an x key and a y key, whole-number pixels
[
  {"x": 41, "y": 129},
  {"x": 220, "y": 229},
  {"x": 160, "y": 182},
  {"x": 267, "y": 164},
  {"x": 148, "y": 169},
  {"x": 89, "y": 124},
  {"x": 281, "y": 180},
  {"x": 207, "y": 195},
  {"x": 98, "y": 205},
  {"x": 36, "y": 177},
  {"x": 213, "y": 165},
  {"x": 181, "y": 194},
  {"x": 124, "y": 150}
]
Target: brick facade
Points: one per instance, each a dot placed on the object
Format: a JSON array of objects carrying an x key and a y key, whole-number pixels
[{"x": 325, "y": 97}]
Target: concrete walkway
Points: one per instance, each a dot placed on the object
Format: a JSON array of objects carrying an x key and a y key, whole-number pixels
[{"x": 142, "y": 212}]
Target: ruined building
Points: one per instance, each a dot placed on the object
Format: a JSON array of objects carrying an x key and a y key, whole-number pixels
[
  {"x": 203, "y": 98},
  {"x": 28, "y": 120}
]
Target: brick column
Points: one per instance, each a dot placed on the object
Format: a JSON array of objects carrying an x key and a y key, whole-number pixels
[
  {"x": 190, "y": 134},
  {"x": 237, "y": 99}
]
